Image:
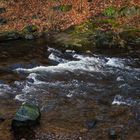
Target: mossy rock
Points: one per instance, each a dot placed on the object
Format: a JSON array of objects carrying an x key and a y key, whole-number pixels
[
  {"x": 77, "y": 42},
  {"x": 30, "y": 32},
  {"x": 27, "y": 115},
  {"x": 96, "y": 34},
  {"x": 30, "y": 29}
]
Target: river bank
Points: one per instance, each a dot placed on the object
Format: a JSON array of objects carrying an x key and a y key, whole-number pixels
[{"x": 116, "y": 25}]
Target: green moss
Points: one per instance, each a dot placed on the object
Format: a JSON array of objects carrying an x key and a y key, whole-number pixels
[
  {"x": 110, "y": 12},
  {"x": 30, "y": 29}
]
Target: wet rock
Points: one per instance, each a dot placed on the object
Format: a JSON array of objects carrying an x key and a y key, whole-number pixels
[
  {"x": 1, "y": 119},
  {"x": 9, "y": 35},
  {"x": 30, "y": 32},
  {"x": 90, "y": 124},
  {"x": 136, "y": 112},
  {"x": 112, "y": 134},
  {"x": 116, "y": 132},
  {"x": 2, "y": 10},
  {"x": 29, "y": 36},
  {"x": 27, "y": 115},
  {"x": 30, "y": 29},
  {"x": 3, "y": 21}
]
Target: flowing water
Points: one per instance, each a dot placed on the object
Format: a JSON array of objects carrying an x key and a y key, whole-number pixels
[{"x": 75, "y": 86}]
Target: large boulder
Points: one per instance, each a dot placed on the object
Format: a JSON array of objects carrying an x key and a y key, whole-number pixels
[{"x": 28, "y": 115}]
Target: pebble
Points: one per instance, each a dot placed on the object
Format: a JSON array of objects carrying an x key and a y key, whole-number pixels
[
  {"x": 112, "y": 134},
  {"x": 90, "y": 124},
  {"x": 1, "y": 119}
]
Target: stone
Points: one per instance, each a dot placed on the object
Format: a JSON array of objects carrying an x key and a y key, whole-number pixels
[
  {"x": 9, "y": 35},
  {"x": 112, "y": 134},
  {"x": 29, "y": 36},
  {"x": 2, "y": 10},
  {"x": 30, "y": 32},
  {"x": 90, "y": 124},
  {"x": 27, "y": 115},
  {"x": 3, "y": 21},
  {"x": 30, "y": 29},
  {"x": 2, "y": 119}
]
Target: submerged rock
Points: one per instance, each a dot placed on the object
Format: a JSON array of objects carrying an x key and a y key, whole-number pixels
[{"x": 27, "y": 115}]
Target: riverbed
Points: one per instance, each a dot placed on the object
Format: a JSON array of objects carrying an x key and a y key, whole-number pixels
[{"x": 82, "y": 95}]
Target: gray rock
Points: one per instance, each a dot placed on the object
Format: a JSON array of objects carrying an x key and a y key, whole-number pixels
[{"x": 29, "y": 37}]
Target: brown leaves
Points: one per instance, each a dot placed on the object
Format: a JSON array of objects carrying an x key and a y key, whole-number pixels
[{"x": 40, "y": 12}]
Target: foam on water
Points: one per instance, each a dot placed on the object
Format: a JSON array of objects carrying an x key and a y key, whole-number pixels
[
  {"x": 115, "y": 62},
  {"x": 120, "y": 100},
  {"x": 71, "y": 66},
  {"x": 42, "y": 80},
  {"x": 57, "y": 59},
  {"x": 82, "y": 63},
  {"x": 4, "y": 88},
  {"x": 20, "y": 97}
]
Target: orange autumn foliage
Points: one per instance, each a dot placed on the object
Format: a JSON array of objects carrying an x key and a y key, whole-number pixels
[{"x": 40, "y": 12}]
